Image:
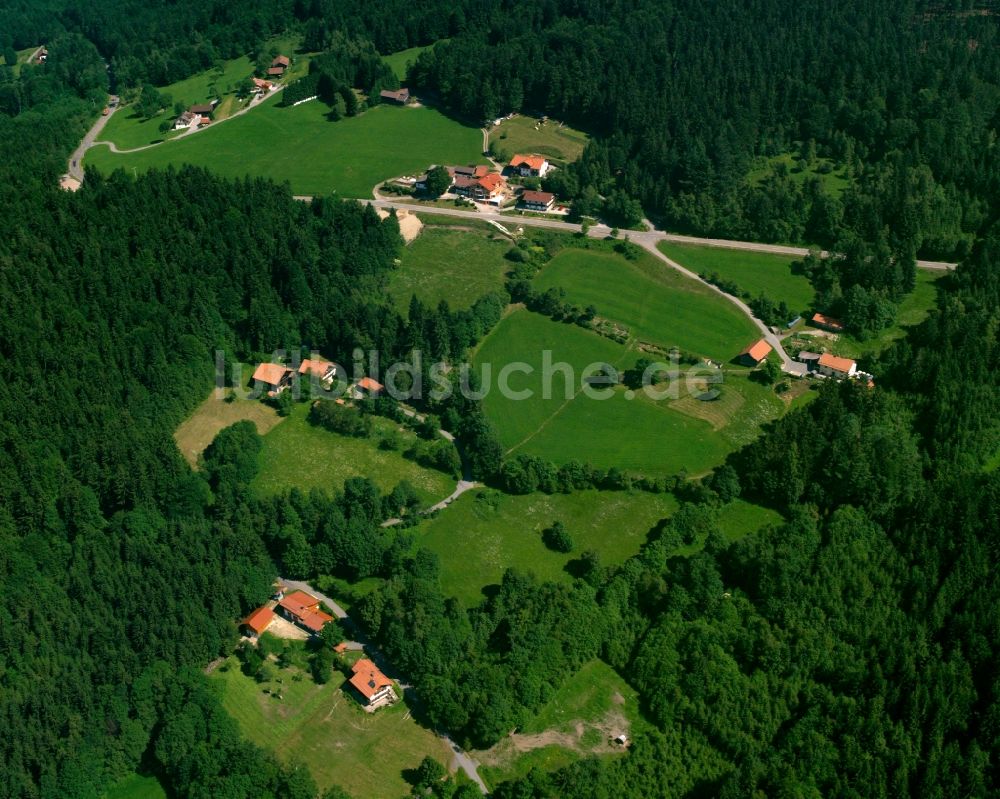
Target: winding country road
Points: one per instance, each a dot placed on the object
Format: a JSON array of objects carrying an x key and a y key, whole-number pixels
[
  {"x": 460, "y": 759},
  {"x": 74, "y": 167}
]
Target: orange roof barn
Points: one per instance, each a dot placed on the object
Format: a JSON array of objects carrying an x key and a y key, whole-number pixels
[
  {"x": 270, "y": 373},
  {"x": 259, "y": 620},
  {"x": 368, "y": 680},
  {"x": 756, "y": 352}
]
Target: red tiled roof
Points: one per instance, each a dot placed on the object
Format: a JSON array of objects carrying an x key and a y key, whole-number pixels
[
  {"x": 369, "y": 384},
  {"x": 281, "y": 60},
  {"x": 836, "y": 363},
  {"x": 315, "y": 367},
  {"x": 367, "y": 678},
  {"x": 259, "y": 619},
  {"x": 481, "y": 171},
  {"x": 306, "y": 609},
  {"x": 492, "y": 181},
  {"x": 535, "y": 162},
  {"x": 275, "y": 70},
  {"x": 260, "y": 83},
  {"x": 544, "y": 197},
  {"x": 270, "y": 373},
  {"x": 827, "y": 321},
  {"x": 758, "y": 350}
]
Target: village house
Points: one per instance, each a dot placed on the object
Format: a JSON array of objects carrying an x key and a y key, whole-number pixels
[
  {"x": 479, "y": 171},
  {"x": 825, "y": 322},
  {"x": 261, "y": 86},
  {"x": 272, "y": 377},
  {"x": 204, "y": 109},
  {"x": 755, "y": 353},
  {"x": 366, "y": 387},
  {"x": 279, "y": 65},
  {"x": 257, "y": 622},
  {"x": 538, "y": 200},
  {"x": 186, "y": 120},
  {"x": 374, "y": 687},
  {"x": 490, "y": 188},
  {"x": 530, "y": 166},
  {"x": 324, "y": 371},
  {"x": 836, "y": 367},
  {"x": 302, "y": 609},
  {"x": 399, "y": 96}
]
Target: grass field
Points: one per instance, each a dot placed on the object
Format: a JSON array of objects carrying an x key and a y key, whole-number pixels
[
  {"x": 136, "y": 786},
  {"x": 834, "y": 181},
  {"x": 458, "y": 266},
  {"x": 323, "y": 727},
  {"x": 400, "y": 60},
  {"x": 297, "y": 454},
  {"x": 477, "y": 540},
  {"x": 641, "y": 435},
  {"x": 316, "y": 156},
  {"x": 741, "y": 518},
  {"x": 755, "y": 272},
  {"x": 656, "y": 303},
  {"x": 580, "y": 719},
  {"x": 128, "y": 130},
  {"x": 214, "y": 414},
  {"x": 524, "y": 134}
]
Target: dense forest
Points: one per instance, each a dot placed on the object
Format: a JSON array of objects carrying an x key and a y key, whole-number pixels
[{"x": 850, "y": 651}]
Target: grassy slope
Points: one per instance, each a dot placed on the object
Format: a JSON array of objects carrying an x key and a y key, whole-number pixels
[
  {"x": 519, "y": 135},
  {"x": 833, "y": 182},
  {"x": 655, "y": 302},
  {"x": 640, "y": 435},
  {"x": 596, "y": 698},
  {"x": 297, "y": 454},
  {"x": 136, "y": 786},
  {"x": 325, "y": 728},
  {"x": 199, "y": 429},
  {"x": 476, "y": 543},
  {"x": 314, "y": 155},
  {"x": 453, "y": 265},
  {"x": 399, "y": 60},
  {"x": 758, "y": 273}
]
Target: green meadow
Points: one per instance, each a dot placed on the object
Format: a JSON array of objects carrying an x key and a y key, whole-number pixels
[
  {"x": 754, "y": 272},
  {"x": 128, "y": 130},
  {"x": 451, "y": 264},
  {"x": 297, "y": 454},
  {"x": 325, "y": 728},
  {"x": 656, "y": 303},
  {"x": 525, "y": 134},
  {"x": 483, "y": 533},
  {"x": 313, "y": 154},
  {"x": 833, "y": 178},
  {"x": 400, "y": 60},
  {"x": 639, "y": 434}
]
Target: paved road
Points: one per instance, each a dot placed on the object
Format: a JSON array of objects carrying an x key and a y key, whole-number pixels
[
  {"x": 75, "y": 166},
  {"x": 460, "y": 759}
]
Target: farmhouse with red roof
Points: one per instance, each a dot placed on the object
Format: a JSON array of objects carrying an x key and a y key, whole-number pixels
[
  {"x": 302, "y": 609},
  {"x": 273, "y": 377},
  {"x": 258, "y": 621},
  {"x": 375, "y": 688},
  {"x": 755, "y": 353},
  {"x": 530, "y": 166}
]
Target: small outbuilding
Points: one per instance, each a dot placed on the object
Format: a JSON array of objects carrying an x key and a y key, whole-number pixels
[
  {"x": 755, "y": 353},
  {"x": 397, "y": 96},
  {"x": 825, "y": 322}
]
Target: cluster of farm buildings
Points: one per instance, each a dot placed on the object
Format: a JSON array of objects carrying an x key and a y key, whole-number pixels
[
  {"x": 823, "y": 365},
  {"x": 304, "y": 612},
  {"x": 485, "y": 184},
  {"x": 273, "y": 378},
  {"x": 200, "y": 114}
]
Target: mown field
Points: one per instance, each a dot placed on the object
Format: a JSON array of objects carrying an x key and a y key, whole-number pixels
[
  {"x": 298, "y": 455},
  {"x": 755, "y": 272},
  {"x": 314, "y": 155},
  {"x": 641, "y": 434},
  {"x": 581, "y": 719},
  {"x": 524, "y": 134},
  {"x": 445, "y": 263},
  {"x": 136, "y": 786},
  {"x": 656, "y": 303},
  {"x": 128, "y": 130},
  {"x": 324, "y": 727},
  {"x": 483, "y": 533},
  {"x": 214, "y": 414}
]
